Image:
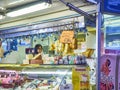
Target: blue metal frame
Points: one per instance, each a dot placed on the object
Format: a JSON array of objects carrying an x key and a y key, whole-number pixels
[
  {"x": 33, "y": 28},
  {"x": 98, "y": 34},
  {"x": 98, "y": 42},
  {"x": 30, "y": 30}
]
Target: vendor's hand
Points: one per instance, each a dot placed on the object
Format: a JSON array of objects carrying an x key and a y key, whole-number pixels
[{"x": 37, "y": 56}]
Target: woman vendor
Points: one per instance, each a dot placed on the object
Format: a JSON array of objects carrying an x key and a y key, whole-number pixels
[{"x": 37, "y": 59}]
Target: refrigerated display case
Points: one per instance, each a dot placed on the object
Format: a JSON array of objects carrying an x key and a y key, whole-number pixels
[
  {"x": 9, "y": 78},
  {"x": 45, "y": 77}
]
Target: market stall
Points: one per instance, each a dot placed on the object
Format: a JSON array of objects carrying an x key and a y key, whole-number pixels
[{"x": 67, "y": 58}]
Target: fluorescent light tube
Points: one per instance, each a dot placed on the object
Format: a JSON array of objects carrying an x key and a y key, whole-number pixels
[
  {"x": 47, "y": 72},
  {"x": 2, "y": 17},
  {"x": 2, "y": 8},
  {"x": 29, "y": 9},
  {"x": 18, "y": 1}
]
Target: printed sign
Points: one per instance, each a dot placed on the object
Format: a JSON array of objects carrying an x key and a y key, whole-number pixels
[
  {"x": 80, "y": 78},
  {"x": 29, "y": 50},
  {"x": 111, "y": 6},
  {"x": 110, "y": 51},
  {"x": 108, "y": 72}
]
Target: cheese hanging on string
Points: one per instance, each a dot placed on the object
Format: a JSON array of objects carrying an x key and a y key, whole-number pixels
[{"x": 67, "y": 36}]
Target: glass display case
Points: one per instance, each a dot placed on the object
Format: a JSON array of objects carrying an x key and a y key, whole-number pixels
[{"x": 43, "y": 77}]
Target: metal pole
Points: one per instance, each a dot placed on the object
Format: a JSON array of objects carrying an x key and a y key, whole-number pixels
[
  {"x": 76, "y": 9},
  {"x": 98, "y": 44}
]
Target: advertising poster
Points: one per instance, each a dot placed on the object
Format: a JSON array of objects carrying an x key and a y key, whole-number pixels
[
  {"x": 111, "y": 6},
  {"x": 108, "y": 72},
  {"x": 80, "y": 78}
]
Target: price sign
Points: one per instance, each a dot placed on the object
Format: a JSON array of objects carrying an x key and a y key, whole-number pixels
[
  {"x": 66, "y": 87},
  {"x": 67, "y": 36}
]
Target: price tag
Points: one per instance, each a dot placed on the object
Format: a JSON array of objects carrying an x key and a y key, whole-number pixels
[{"x": 66, "y": 87}]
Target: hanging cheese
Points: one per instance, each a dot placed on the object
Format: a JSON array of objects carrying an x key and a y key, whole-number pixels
[
  {"x": 67, "y": 36},
  {"x": 73, "y": 45}
]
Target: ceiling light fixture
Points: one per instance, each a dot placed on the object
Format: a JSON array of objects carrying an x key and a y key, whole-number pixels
[
  {"x": 18, "y": 1},
  {"x": 47, "y": 72},
  {"x": 29, "y": 9},
  {"x": 2, "y": 17},
  {"x": 2, "y": 8}
]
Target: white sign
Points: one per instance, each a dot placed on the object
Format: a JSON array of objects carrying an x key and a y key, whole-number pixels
[{"x": 66, "y": 87}]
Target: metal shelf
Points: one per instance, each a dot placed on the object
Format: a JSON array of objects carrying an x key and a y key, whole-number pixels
[{"x": 37, "y": 65}]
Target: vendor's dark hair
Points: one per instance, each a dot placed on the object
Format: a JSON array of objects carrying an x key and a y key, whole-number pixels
[{"x": 37, "y": 47}]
